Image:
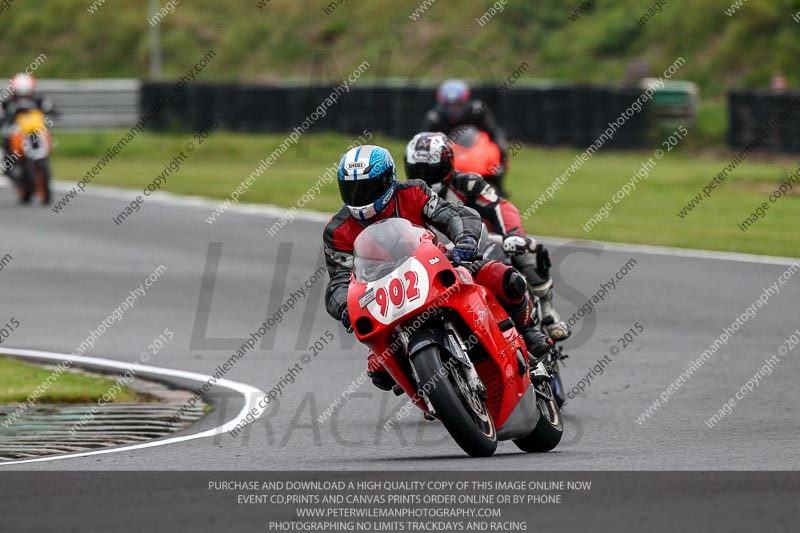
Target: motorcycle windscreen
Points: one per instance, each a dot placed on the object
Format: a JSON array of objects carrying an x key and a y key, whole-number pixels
[
  {"x": 465, "y": 136},
  {"x": 384, "y": 246}
]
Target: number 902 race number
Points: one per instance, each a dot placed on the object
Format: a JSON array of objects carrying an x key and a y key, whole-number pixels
[{"x": 400, "y": 292}]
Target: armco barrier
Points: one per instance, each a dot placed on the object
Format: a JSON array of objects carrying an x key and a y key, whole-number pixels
[
  {"x": 93, "y": 104},
  {"x": 549, "y": 115}
]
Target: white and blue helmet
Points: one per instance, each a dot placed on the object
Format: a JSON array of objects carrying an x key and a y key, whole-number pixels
[{"x": 367, "y": 180}]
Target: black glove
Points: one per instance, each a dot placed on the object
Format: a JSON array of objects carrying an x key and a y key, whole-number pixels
[
  {"x": 500, "y": 168},
  {"x": 345, "y": 318},
  {"x": 466, "y": 249},
  {"x": 382, "y": 380}
]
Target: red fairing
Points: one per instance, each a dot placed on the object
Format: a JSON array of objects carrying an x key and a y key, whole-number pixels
[
  {"x": 482, "y": 157},
  {"x": 403, "y": 299}
]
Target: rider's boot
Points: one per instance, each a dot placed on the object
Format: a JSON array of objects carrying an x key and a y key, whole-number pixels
[
  {"x": 538, "y": 343},
  {"x": 556, "y": 328},
  {"x": 536, "y": 268},
  {"x": 512, "y": 292},
  {"x": 378, "y": 374}
]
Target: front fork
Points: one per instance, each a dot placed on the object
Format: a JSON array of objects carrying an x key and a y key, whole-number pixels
[
  {"x": 464, "y": 373},
  {"x": 548, "y": 370},
  {"x": 552, "y": 368},
  {"x": 459, "y": 349}
]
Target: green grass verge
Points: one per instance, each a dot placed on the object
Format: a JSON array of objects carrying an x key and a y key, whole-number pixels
[
  {"x": 648, "y": 215},
  {"x": 19, "y": 379}
]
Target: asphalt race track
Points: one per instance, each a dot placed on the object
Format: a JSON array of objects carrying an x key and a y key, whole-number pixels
[{"x": 71, "y": 270}]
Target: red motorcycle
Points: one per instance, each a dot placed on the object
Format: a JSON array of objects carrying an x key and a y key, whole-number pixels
[
  {"x": 448, "y": 343},
  {"x": 474, "y": 151}
]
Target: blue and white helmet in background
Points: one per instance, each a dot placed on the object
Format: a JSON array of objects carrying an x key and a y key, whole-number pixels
[{"x": 367, "y": 180}]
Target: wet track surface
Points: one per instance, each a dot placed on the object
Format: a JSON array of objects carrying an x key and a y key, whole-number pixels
[{"x": 71, "y": 270}]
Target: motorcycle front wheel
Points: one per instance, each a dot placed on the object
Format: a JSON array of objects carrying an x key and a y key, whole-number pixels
[
  {"x": 25, "y": 184},
  {"x": 463, "y": 413},
  {"x": 41, "y": 172}
]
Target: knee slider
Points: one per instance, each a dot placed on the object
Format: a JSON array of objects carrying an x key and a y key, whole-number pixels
[{"x": 514, "y": 285}]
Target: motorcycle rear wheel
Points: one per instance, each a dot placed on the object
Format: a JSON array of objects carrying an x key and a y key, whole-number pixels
[
  {"x": 550, "y": 428},
  {"x": 468, "y": 422},
  {"x": 558, "y": 385}
]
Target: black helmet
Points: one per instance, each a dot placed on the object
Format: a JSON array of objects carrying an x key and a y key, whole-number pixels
[{"x": 429, "y": 157}]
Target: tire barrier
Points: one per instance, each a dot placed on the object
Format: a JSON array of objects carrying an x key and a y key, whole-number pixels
[{"x": 545, "y": 115}]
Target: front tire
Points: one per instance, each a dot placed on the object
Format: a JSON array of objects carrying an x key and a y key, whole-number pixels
[
  {"x": 466, "y": 419},
  {"x": 41, "y": 172},
  {"x": 25, "y": 187}
]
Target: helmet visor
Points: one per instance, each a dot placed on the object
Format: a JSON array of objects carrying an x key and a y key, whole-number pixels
[
  {"x": 365, "y": 191},
  {"x": 430, "y": 174}
]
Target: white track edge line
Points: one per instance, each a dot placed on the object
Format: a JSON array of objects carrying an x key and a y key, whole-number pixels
[
  {"x": 251, "y": 394},
  {"x": 269, "y": 210}
]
